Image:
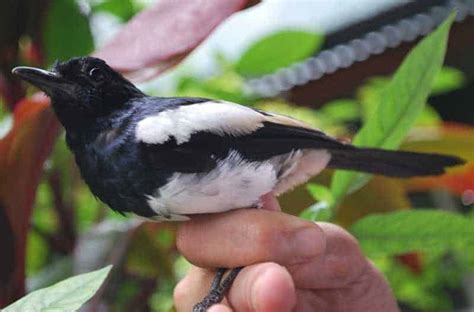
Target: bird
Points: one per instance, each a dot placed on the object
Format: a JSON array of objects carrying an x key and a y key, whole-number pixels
[{"x": 168, "y": 158}]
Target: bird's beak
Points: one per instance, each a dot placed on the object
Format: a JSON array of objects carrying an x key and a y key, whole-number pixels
[{"x": 50, "y": 82}]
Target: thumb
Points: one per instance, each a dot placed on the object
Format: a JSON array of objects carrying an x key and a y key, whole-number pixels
[{"x": 264, "y": 287}]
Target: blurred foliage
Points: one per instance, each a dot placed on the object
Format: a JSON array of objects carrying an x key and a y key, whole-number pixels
[
  {"x": 398, "y": 104},
  {"x": 321, "y": 210},
  {"x": 72, "y": 229},
  {"x": 414, "y": 230},
  {"x": 429, "y": 289},
  {"x": 123, "y": 9},
  {"x": 447, "y": 80},
  {"x": 278, "y": 50},
  {"x": 66, "y": 37},
  {"x": 228, "y": 87},
  {"x": 6, "y": 121}
]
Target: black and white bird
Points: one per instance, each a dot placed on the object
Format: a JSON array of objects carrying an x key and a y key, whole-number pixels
[{"x": 170, "y": 158}]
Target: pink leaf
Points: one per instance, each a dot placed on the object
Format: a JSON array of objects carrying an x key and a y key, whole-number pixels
[{"x": 163, "y": 35}]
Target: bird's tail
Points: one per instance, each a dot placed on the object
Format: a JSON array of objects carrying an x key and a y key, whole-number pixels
[{"x": 391, "y": 163}]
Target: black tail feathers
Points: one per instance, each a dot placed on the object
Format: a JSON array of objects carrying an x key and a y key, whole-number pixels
[{"x": 391, "y": 163}]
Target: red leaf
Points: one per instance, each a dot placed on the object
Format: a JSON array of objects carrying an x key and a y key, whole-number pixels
[
  {"x": 458, "y": 182},
  {"x": 453, "y": 139},
  {"x": 163, "y": 35},
  {"x": 22, "y": 154}
]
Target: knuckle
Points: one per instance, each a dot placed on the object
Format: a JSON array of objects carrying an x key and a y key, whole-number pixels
[
  {"x": 265, "y": 242},
  {"x": 349, "y": 262},
  {"x": 341, "y": 238},
  {"x": 183, "y": 237},
  {"x": 187, "y": 246},
  {"x": 341, "y": 270}
]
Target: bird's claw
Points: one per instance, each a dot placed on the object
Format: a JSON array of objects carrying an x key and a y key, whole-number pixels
[
  {"x": 218, "y": 289},
  {"x": 215, "y": 296}
]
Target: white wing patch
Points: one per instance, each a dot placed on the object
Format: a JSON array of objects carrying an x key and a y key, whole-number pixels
[{"x": 215, "y": 117}]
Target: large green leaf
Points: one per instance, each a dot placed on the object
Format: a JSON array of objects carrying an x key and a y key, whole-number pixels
[
  {"x": 66, "y": 32},
  {"x": 67, "y": 295},
  {"x": 413, "y": 230},
  {"x": 278, "y": 50},
  {"x": 399, "y": 105}
]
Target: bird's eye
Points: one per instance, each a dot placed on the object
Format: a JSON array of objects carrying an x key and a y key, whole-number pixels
[{"x": 95, "y": 73}]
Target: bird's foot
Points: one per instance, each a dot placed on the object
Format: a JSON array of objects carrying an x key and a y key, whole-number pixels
[{"x": 218, "y": 289}]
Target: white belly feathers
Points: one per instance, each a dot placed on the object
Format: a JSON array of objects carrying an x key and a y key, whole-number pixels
[{"x": 235, "y": 183}]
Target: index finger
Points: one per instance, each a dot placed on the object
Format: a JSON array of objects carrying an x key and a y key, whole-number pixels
[{"x": 246, "y": 236}]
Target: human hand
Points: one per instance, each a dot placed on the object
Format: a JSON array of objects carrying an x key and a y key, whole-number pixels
[{"x": 291, "y": 264}]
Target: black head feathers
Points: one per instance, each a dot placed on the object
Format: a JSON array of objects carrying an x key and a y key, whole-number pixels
[{"x": 82, "y": 88}]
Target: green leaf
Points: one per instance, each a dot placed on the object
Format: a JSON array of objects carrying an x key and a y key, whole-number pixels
[
  {"x": 227, "y": 86},
  {"x": 6, "y": 121},
  {"x": 66, "y": 31},
  {"x": 320, "y": 192},
  {"x": 413, "y": 230},
  {"x": 341, "y": 110},
  {"x": 429, "y": 117},
  {"x": 67, "y": 295},
  {"x": 369, "y": 96},
  {"x": 423, "y": 291},
  {"x": 448, "y": 79},
  {"x": 37, "y": 253},
  {"x": 399, "y": 104},
  {"x": 278, "y": 50},
  {"x": 321, "y": 211},
  {"x": 123, "y": 9}
]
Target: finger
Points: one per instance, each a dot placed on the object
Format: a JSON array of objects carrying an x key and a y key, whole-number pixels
[
  {"x": 341, "y": 264},
  {"x": 261, "y": 287},
  {"x": 192, "y": 288},
  {"x": 370, "y": 292},
  {"x": 264, "y": 287},
  {"x": 270, "y": 202},
  {"x": 219, "y": 308},
  {"x": 247, "y": 236}
]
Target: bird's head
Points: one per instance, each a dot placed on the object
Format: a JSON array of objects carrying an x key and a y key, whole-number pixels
[{"x": 81, "y": 88}]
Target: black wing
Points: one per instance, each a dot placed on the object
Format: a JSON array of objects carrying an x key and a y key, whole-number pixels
[{"x": 258, "y": 136}]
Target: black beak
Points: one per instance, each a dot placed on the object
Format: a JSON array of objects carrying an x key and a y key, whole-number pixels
[{"x": 50, "y": 82}]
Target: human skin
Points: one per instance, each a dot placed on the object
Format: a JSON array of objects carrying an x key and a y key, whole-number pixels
[{"x": 290, "y": 264}]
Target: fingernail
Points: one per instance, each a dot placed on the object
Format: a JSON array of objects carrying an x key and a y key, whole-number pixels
[{"x": 308, "y": 242}]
